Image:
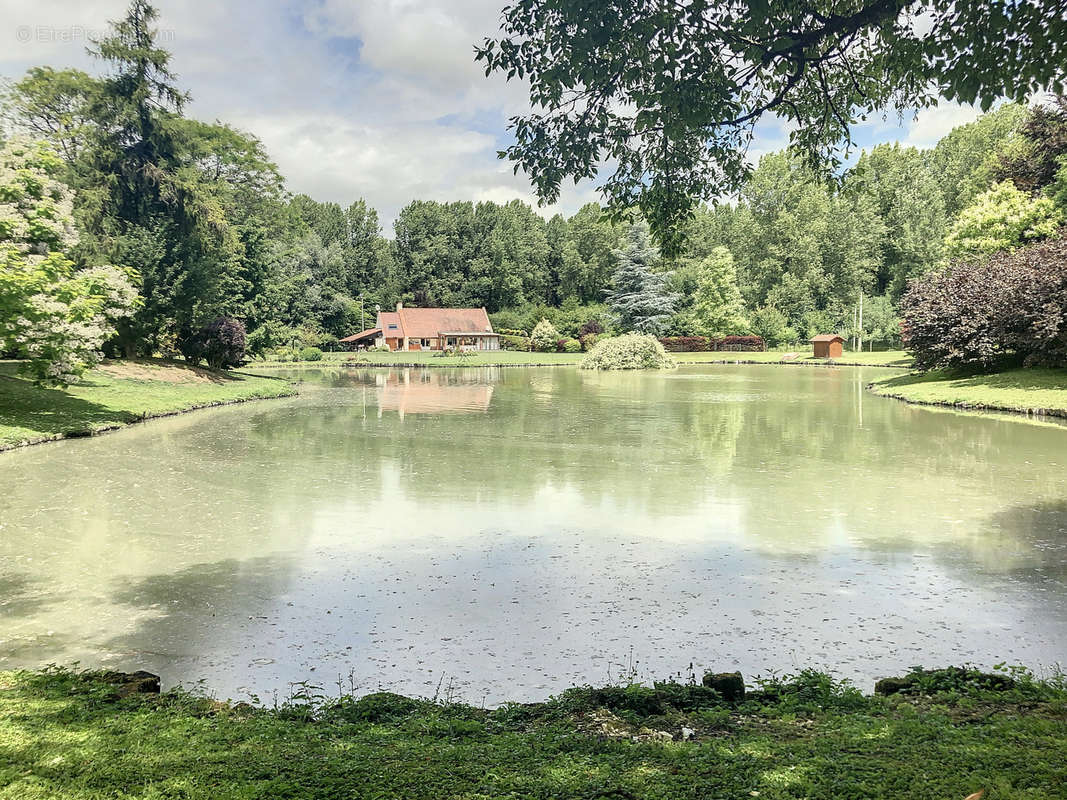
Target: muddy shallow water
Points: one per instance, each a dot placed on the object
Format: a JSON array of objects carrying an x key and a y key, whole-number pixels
[{"x": 511, "y": 532}]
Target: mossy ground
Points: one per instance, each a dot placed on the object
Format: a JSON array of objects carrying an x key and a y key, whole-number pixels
[
  {"x": 118, "y": 393},
  {"x": 63, "y": 736}
]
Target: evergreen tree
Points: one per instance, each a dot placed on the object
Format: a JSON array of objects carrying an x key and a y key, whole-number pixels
[{"x": 640, "y": 298}]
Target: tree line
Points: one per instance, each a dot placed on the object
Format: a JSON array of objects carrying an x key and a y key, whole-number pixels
[{"x": 161, "y": 225}]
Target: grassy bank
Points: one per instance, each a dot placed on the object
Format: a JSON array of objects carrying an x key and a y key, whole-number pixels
[
  {"x": 1026, "y": 390},
  {"x": 64, "y": 737},
  {"x": 895, "y": 358},
  {"x": 118, "y": 393}
]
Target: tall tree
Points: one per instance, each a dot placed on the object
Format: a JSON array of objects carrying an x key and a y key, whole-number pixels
[
  {"x": 671, "y": 93},
  {"x": 641, "y": 298},
  {"x": 965, "y": 162},
  {"x": 908, "y": 200},
  {"x": 717, "y": 306}
]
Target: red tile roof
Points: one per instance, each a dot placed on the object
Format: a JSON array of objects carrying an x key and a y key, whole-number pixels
[
  {"x": 391, "y": 318},
  {"x": 428, "y": 323}
]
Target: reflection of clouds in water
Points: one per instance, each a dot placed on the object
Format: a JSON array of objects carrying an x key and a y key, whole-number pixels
[{"x": 731, "y": 516}]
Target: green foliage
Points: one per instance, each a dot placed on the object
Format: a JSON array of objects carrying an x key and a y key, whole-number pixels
[
  {"x": 717, "y": 305},
  {"x": 629, "y": 351},
  {"x": 966, "y": 162},
  {"x": 1001, "y": 218},
  {"x": 809, "y": 737},
  {"x": 544, "y": 337},
  {"x": 52, "y": 314},
  {"x": 773, "y": 326},
  {"x": 1042, "y": 147},
  {"x": 640, "y": 298},
  {"x": 881, "y": 323},
  {"x": 310, "y": 354},
  {"x": 569, "y": 319},
  {"x": 671, "y": 99},
  {"x": 904, "y": 192},
  {"x": 520, "y": 343},
  {"x": 572, "y": 346}
]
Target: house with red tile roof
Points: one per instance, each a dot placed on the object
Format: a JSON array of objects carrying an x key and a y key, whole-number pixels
[{"x": 429, "y": 329}]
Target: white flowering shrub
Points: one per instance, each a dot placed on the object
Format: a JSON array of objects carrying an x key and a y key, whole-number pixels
[
  {"x": 54, "y": 316},
  {"x": 629, "y": 351},
  {"x": 544, "y": 337}
]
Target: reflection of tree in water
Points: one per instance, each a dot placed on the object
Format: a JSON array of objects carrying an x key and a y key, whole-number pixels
[
  {"x": 805, "y": 454},
  {"x": 20, "y": 595},
  {"x": 1027, "y": 542},
  {"x": 204, "y": 608}
]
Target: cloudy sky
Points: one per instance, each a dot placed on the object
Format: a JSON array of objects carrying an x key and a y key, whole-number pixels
[{"x": 379, "y": 99}]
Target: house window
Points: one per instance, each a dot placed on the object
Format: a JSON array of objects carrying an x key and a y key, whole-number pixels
[
  {"x": 451, "y": 341},
  {"x": 392, "y": 327}
]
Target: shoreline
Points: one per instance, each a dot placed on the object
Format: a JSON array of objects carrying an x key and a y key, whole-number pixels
[
  {"x": 1055, "y": 413},
  {"x": 120, "y": 394},
  {"x": 148, "y": 417},
  {"x": 1025, "y": 392},
  {"x": 942, "y": 733}
]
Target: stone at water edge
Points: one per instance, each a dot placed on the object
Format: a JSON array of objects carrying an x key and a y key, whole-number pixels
[
  {"x": 729, "y": 685},
  {"x": 888, "y": 686},
  {"x": 127, "y": 683}
]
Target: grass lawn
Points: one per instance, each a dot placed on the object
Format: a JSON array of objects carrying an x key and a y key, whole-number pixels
[
  {"x": 63, "y": 737},
  {"x": 896, "y": 358},
  {"x": 1030, "y": 390},
  {"x": 117, "y": 393}
]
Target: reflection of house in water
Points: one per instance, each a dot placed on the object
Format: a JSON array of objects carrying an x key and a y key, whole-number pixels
[{"x": 428, "y": 391}]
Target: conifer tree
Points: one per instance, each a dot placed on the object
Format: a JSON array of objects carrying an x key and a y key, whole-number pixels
[{"x": 640, "y": 298}]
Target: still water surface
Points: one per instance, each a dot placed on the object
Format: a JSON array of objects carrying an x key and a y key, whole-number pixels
[{"x": 512, "y": 532}]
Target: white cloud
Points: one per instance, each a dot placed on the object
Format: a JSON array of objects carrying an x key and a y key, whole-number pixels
[
  {"x": 932, "y": 124},
  {"x": 333, "y": 158}
]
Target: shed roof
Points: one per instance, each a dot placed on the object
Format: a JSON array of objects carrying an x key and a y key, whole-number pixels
[
  {"x": 827, "y": 337},
  {"x": 355, "y": 337}
]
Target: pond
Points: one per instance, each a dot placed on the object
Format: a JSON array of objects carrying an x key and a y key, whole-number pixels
[{"x": 501, "y": 534}]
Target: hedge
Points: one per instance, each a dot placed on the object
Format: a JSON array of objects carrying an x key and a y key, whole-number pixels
[{"x": 703, "y": 344}]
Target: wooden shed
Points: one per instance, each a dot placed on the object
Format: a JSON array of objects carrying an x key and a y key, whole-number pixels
[{"x": 828, "y": 345}]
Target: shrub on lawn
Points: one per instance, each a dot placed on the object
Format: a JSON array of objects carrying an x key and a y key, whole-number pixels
[
  {"x": 588, "y": 340},
  {"x": 544, "y": 337},
  {"x": 592, "y": 326},
  {"x": 221, "y": 343},
  {"x": 630, "y": 351},
  {"x": 572, "y": 346},
  {"x": 977, "y": 313},
  {"x": 520, "y": 343},
  {"x": 310, "y": 354}
]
